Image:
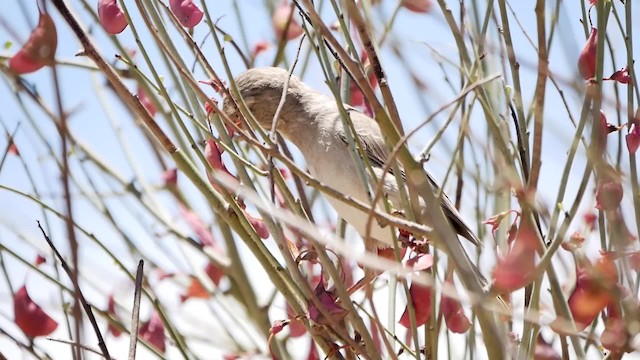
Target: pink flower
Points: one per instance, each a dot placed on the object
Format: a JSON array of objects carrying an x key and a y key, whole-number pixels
[
  {"x": 621, "y": 76},
  {"x": 29, "y": 317},
  {"x": 111, "y": 310},
  {"x": 146, "y": 101},
  {"x": 111, "y": 16},
  {"x": 39, "y": 50},
  {"x": 187, "y": 13}
]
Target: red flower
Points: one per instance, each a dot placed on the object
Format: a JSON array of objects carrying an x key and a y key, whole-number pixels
[
  {"x": 197, "y": 225},
  {"x": 280, "y": 19},
  {"x": 111, "y": 16},
  {"x": 153, "y": 332},
  {"x": 187, "y": 13},
  {"x": 516, "y": 269},
  {"x": 111, "y": 310},
  {"x": 587, "y": 58},
  {"x": 328, "y": 300},
  {"x": 214, "y": 273},
  {"x": 29, "y": 317},
  {"x": 39, "y": 50},
  {"x": 420, "y": 297}
]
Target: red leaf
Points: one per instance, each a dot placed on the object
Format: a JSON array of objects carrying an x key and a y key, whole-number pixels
[
  {"x": 111, "y": 310},
  {"x": 29, "y": 317},
  {"x": 258, "y": 225},
  {"x": 39, "y": 50},
  {"x": 187, "y": 13},
  {"x": 280, "y": 19},
  {"x": 40, "y": 259},
  {"x": 420, "y": 297},
  {"x": 587, "y": 58},
  {"x": 153, "y": 332},
  {"x": 296, "y": 328},
  {"x": 420, "y": 262},
  {"x": 260, "y": 47},
  {"x": 111, "y": 16}
]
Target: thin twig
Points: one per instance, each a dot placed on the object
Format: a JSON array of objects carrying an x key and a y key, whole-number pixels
[{"x": 135, "y": 313}]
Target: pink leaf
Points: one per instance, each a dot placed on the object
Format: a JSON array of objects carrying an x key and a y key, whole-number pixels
[
  {"x": 633, "y": 138},
  {"x": 420, "y": 297},
  {"x": 197, "y": 225},
  {"x": 417, "y": 6},
  {"x": 453, "y": 313}
]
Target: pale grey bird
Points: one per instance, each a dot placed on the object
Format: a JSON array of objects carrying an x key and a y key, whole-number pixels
[{"x": 312, "y": 121}]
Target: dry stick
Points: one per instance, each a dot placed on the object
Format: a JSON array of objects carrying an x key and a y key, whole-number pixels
[
  {"x": 85, "y": 304},
  {"x": 135, "y": 312}
]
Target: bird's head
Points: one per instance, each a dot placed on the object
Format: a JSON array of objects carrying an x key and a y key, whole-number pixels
[{"x": 261, "y": 89}]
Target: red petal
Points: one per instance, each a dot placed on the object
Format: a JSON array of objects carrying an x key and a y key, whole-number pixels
[
  {"x": 153, "y": 332},
  {"x": 29, "y": 317},
  {"x": 633, "y": 138},
  {"x": 328, "y": 301},
  {"x": 296, "y": 328},
  {"x": 170, "y": 177},
  {"x": 259, "y": 226},
  {"x": 420, "y": 262},
  {"x": 40, "y": 259},
  {"x": 187, "y": 13},
  {"x": 111, "y": 16},
  {"x": 544, "y": 351},
  {"x": 197, "y": 225},
  {"x": 39, "y": 50},
  {"x": 195, "y": 290}
]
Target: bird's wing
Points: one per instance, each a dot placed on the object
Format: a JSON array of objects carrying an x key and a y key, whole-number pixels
[{"x": 377, "y": 154}]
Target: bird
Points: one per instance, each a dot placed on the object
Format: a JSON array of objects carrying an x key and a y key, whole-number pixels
[{"x": 313, "y": 122}]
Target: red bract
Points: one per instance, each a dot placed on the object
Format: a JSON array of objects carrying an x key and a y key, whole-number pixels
[
  {"x": 260, "y": 47},
  {"x": 621, "y": 76},
  {"x": 39, "y": 50},
  {"x": 544, "y": 351},
  {"x": 280, "y": 19},
  {"x": 587, "y": 58},
  {"x": 214, "y": 273},
  {"x": 170, "y": 177},
  {"x": 593, "y": 290},
  {"x": 258, "y": 225},
  {"x": 29, "y": 317},
  {"x": 452, "y": 312},
  {"x": 603, "y": 131},
  {"x": 296, "y": 327},
  {"x": 111, "y": 16},
  {"x": 153, "y": 332},
  {"x": 328, "y": 300},
  {"x": 516, "y": 269},
  {"x": 197, "y": 225},
  {"x": 418, "y": 6},
  {"x": 420, "y": 297},
  {"x": 214, "y": 157},
  {"x": 187, "y": 13},
  {"x": 609, "y": 190},
  {"x": 356, "y": 98},
  {"x": 111, "y": 310},
  {"x": 633, "y": 138},
  {"x": 195, "y": 290},
  {"x": 496, "y": 220},
  {"x": 146, "y": 101},
  {"x": 40, "y": 259}
]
